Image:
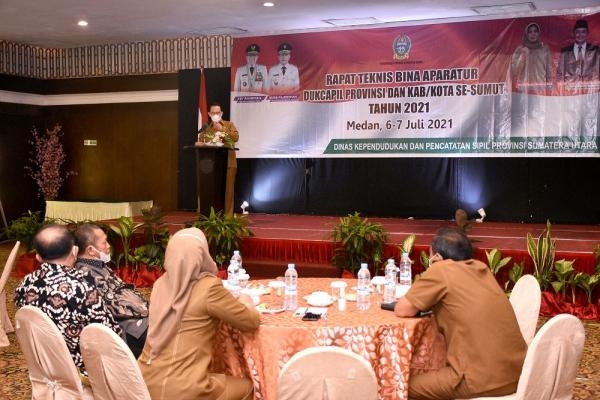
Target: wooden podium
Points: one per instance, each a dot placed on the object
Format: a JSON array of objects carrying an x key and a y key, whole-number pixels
[{"x": 211, "y": 173}]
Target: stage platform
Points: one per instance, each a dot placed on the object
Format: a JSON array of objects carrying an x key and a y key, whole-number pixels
[{"x": 304, "y": 240}]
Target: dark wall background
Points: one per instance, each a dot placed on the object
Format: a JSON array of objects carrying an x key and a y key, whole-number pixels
[
  {"x": 136, "y": 153},
  {"x": 218, "y": 87},
  {"x": 510, "y": 189},
  {"x": 140, "y": 155}
]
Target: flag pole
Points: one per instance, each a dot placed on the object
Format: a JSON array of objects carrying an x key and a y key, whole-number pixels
[{"x": 202, "y": 103}]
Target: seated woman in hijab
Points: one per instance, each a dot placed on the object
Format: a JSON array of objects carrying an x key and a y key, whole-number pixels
[{"x": 187, "y": 303}]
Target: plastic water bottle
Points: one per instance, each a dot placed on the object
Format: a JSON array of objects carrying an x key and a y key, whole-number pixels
[
  {"x": 232, "y": 278},
  {"x": 291, "y": 288},
  {"x": 363, "y": 301},
  {"x": 237, "y": 257},
  {"x": 389, "y": 290},
  {"x": 405, "y": 274}
]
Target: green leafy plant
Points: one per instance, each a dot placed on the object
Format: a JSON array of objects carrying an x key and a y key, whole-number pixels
[
  {"x": 25, "y": 227},
  {"x": 587, "y": 282},
  {"x": 542, "y": 252},
  {"x": 224, "y": 233},
  {"x": 125, "y": 228},
  {"x": 424, "y": 258},
  {"x": 514, "y": 274},
  {"x": 495, "y": 260},
  {"x": 407, "y": 244},
  {"x": 357, "y": 240},
  {"x": 156, "y": 237},
  {"x": 564, "y": 273}
]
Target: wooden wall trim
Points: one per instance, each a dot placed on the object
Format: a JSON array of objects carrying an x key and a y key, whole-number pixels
[
  {"x": 134, "y": 58},
  {"x": 88, "y": 98}
]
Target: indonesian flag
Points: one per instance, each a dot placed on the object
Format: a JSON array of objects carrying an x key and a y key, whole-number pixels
[{"x": 202, "y": 105}]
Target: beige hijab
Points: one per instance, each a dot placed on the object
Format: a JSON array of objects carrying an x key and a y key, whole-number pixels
[{"x": 186, "y": 258}]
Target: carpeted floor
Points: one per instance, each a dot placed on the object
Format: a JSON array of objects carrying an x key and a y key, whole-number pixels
[{"x": 15, "y": 383}]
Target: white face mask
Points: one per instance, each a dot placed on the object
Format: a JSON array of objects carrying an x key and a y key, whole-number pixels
[
  {"x": 215, "y": 117},
  {"x": 431, "y": 261},
  {"x": 104, "y": 257}
]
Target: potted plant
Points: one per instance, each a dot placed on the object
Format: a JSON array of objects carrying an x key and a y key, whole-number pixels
[
  {"x": 542, "y": 252},
  {"x": 124, "y": 229},
  {"x": 156, "y": 237},
  {"x": 514, "y": 274},
  {"x": 224, "y": 233},
  {"x": 357, "y": 240},
  {"x": 25, "y": 227}
]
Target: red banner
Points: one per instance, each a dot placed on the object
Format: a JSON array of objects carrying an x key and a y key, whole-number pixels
[{"x": 508, "y": 87}]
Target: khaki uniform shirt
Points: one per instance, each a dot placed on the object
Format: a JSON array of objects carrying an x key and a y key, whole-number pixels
[
  {"x": 484, "y": 343},
  {"x": 181, "y": 369}
]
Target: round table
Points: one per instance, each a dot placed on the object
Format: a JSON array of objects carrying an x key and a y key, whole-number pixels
[{"x": 395, "y": 347}]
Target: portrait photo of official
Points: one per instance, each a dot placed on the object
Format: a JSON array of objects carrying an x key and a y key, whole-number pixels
[
  {"x": 251, "y": 77},
  {"x": 577, "y": 76},
  {"x": 284, "y": 77}
]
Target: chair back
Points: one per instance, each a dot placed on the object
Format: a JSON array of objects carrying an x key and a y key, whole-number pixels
[
  {"x": 526, "y": 299},
  {"x": 52, "y": 372},
  {"x": 327, "y": 372},
  {"x": 112, "y": 368},
  {"x": 552, "y": 359},
  {"x": 5, "y": 323},
  {"x": 550, "y": 366}
]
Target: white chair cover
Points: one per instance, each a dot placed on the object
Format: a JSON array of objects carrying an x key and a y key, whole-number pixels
[
  {"x": 526, "y": 299},
  {"x": 550, "y": 366},
  {"x": 327, "y": 372},
  {"x": 5, "y": 323},
  {"x": 112, "y": 368},
  {"x": 52, "y": 372}
]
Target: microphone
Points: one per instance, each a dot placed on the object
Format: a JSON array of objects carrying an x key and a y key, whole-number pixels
[{"x": 203, "y": 128}]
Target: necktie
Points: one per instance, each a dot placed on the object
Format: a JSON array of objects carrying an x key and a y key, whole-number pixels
[
  {"x": 580, "y": 53},
  {"x": 251, "y": 70},
  {"x": 283, "y": 70}
]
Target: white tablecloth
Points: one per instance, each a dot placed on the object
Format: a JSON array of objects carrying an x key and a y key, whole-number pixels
[{"x": 94, "y": 211}]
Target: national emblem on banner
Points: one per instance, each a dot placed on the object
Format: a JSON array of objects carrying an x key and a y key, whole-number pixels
[{"x": 402, "y": 46}]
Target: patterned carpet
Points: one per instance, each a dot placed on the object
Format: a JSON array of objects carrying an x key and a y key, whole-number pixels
[{"x": 15, "y": 383}]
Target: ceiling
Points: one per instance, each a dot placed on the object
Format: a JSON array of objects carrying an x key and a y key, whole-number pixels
[{"x": 53, "y": 23}]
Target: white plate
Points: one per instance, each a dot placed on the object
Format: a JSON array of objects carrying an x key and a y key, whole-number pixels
[
  {"x": 321, "y": 302},
  {"x": 263, "y": 310},
  {"x": 350, "y": 296},
  {"x": 378, "y": 280}
]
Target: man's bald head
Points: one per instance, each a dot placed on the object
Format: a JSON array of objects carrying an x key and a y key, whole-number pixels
[{"x": 53, "y": 242}]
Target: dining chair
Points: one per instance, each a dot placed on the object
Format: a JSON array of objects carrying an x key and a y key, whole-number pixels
[
  {"x": 550, "y": 366},
  {"x": 112, "y": 368},
  {"x": 327, "y": 372},
  {"x": 52, "y": 372},
  {"x": 5, "y": 323},
  {"x": 526, "y": 299}
]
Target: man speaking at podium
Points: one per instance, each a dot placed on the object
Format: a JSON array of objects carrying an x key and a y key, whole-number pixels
[{"x": 222, "y": 133}]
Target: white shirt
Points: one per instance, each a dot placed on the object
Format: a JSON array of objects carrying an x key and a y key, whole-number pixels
[
  {"x": 284, "y": 77},
  {"x": 250, "y": 78},
  {"x": 576, "y": 50}
]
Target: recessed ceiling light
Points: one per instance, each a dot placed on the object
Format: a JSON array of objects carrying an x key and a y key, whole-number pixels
[
  {"x": 268, "y": 4},
  {"x": 82, "y": 23},
  {"x": 219, "y": 30},
  {"x": 352, "y": 21},
  {"x": 504, "y": 8}
]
